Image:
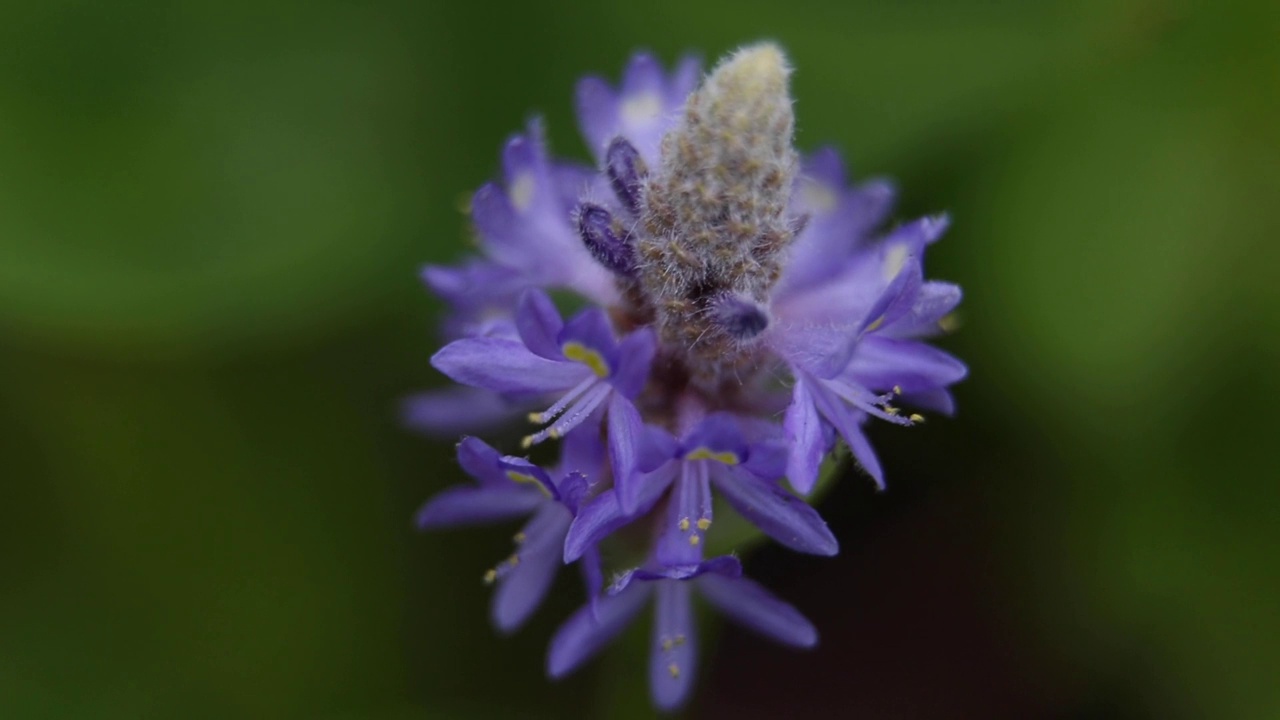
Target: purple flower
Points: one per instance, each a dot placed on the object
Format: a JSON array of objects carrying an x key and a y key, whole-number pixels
[
  {"x": 846, "y": 371},
  {"x": 642, "y": 109},
  {"x": 580, "y": 361},
  {"x": 509, "y": 487},
  {"x": 744, "y": 311},
  {"x": 714, "y": 454},
  {"x": 673, "y": 647}
]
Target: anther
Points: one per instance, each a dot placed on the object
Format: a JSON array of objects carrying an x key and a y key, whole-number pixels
[
  {"x": 674, "y": 669},
  {"x": 694, "y": 539},
  {"x": 684, "y": 524},
  {"x": 916, "y": 418},
  {"x": 704, "y": 523},
  {"x": 897, "y": 389},
  {"x": 490, "y": 576},
  {"x": 605, "y": 240},
  {"x": 626, "y": 170},
  {"x": 519, "y": 538}
]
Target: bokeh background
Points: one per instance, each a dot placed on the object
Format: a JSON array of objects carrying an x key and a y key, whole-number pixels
[{"x": 211, "y": 220}]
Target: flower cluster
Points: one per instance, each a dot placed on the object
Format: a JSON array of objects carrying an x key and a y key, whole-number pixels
[{"x": 743, "y": 314}]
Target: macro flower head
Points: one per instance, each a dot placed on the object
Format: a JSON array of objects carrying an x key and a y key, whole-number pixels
[{"x": 741, "y": 309}]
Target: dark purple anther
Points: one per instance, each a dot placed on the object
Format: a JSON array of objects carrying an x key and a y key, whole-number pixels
[
  {"x": 605, "y": 240},
  {"x": 626, "y": 171},
  {"x": 740, "y": 317}
]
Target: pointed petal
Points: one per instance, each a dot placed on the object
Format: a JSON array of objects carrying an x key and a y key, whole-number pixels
[
  {"x": 635, "y": 356},
  {"x": 848, "y": 423},
  {"x": 603, "y": 514},
  {"x": 882, "y": 363},
  {"x": 804, "y": 433},
  {"x": 597, "y": 106},
  {"x": 939, "y": 401},
  {"x": 522, "y": 589},
  {"x": 452, "y": 411},
  {"x": 626, "y": 433},
  {"x": 467, "y": 505},
  {"x": 750, "y": 605},
  {"x": 586, "y": 632},
  {"x": 897, "y": 298},
  {"x": 539, "y": 324},
  {"x": 506, "y": 366},
  {"x": 673, "y": 656},
  {"x": 781, "y": 515}
]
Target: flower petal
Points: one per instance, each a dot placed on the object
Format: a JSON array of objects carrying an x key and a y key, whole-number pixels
[
  {"x": 781, "y": 515},
  {"x": 482, "y": 462},
  {"x": 804, "y": 433},
  {"x": 586, "y": 632},
  {"x": 603, "y": 514},
  {"x": 848, "y": 423},
  {"x": 597, "y": 106},
  {"x": 688, "y": 515},
  {"x": 635, "y": 356},
  {"x": 747, "y": 603},
  {"x": 506, "y": 366},
  {"x": 521, "y": 590},
  {"x": 932, "y": 303},
  {"x": 539, "y": 324},
  {"x": 673, "y": 656},
  {"x": 457, "y": 506},
  {"x": 626, "y": 434},
  {"x": 882, "y": 363},
  {"x": 449, "y": 411}
]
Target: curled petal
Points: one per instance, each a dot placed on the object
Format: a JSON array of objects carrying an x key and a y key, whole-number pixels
[
  {"x": 539, "y": 324},
  {"x": 505, "y": 366}
]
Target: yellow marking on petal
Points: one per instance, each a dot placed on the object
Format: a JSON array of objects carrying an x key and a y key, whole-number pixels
[
  {"x": 916, "y": 418},
  {"x": 705, "y": 453},
  {"x": 581, "y": 353},
  {"x": 490, "y": 576},
  {"x": 875, "y": 325},
  {"x": 641, "y": 108},
  {"x": 674, "y": 669},
  {"x": 526, "y": 479},
  {"x": 894, "y": 260},
  {"x": 819, "y": 196},
  {"x": 694, "y": 539},
  {"x": 684, "y": 524},
  {"x": 703, "y": 524},
  {"x": 522, "y": 190}
]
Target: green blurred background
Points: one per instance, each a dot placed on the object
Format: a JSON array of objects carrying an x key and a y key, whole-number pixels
[{"x": 211, "y": 220}]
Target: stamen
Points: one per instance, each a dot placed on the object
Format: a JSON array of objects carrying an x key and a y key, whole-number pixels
[
  {"x": 694, "y": 539},
  {"x": 704, "y": 523},
  {"x": 552, "y": 412},
  {"x": 916, "y": 418},
  {"x": 572, "y": 417},
  {"x": 519, "y": 538},
  {"x": 684, "y": 524},
  {"x": 674, "y": 669}
]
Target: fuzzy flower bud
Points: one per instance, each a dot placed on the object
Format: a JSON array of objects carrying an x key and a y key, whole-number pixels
[{"x": 715, "y": 210}]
